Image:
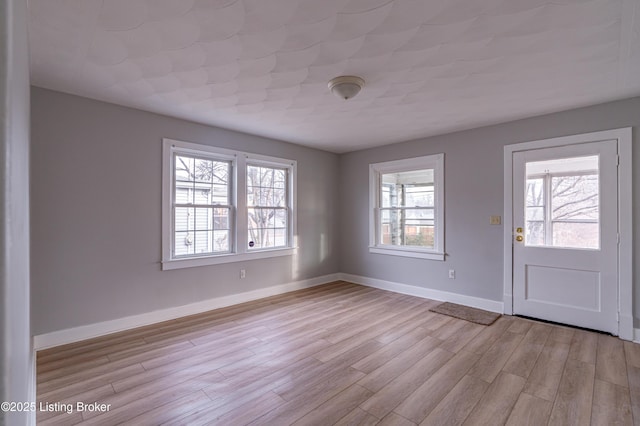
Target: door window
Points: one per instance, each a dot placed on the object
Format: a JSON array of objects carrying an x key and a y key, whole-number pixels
[{"x": 562, "y": 203}]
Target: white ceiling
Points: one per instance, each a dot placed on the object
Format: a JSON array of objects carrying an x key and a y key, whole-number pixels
[{"x": 262, "y": 66}]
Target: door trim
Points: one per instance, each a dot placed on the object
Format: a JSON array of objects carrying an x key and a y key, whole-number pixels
[{"x": 625, "y": 217}]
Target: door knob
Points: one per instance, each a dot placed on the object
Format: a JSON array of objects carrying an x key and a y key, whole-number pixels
[{"x": 519, "y": 238}]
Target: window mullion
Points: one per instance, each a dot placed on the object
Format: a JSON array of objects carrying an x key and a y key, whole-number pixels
[
  {"x": 203, "y": 206},
  {"x": 548, "y": 219},
  {"x": 403, "y": 215},
  {"x": 241, "y": 215}
]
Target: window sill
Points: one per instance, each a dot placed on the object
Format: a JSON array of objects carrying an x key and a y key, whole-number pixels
[
  {"x": 192, "y": 262},
  {"x": 418, "y": 254}
]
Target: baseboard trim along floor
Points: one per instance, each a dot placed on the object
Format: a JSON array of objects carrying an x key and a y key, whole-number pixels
[{"x": 76, "y": 334}]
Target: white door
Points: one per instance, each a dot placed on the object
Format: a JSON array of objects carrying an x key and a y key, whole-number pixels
[{"x": 565, "y": 248}]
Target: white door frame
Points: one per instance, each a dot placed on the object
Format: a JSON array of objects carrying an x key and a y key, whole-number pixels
[{"x": 625, "y": 218}]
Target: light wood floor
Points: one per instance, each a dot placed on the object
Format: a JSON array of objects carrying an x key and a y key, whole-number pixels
[{"x": 344, "y": 354}]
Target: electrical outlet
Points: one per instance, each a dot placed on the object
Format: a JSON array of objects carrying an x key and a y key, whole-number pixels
[
  {"x": 452, "y": 274},
  {"x": 243, "y": 274}
]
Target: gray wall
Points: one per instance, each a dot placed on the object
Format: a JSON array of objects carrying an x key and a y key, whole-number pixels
[
  {"x": 16, "y": 355},
  {"x": 473, "y": 192},
  {"x": 96, "y": 200},
  {"x": 96, "y": 214}
]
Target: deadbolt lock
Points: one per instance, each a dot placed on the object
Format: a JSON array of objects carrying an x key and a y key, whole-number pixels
[{"x": 519, "y": 230}]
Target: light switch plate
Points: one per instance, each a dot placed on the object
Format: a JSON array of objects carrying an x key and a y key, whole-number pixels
[{"x": 495, "y": 220}]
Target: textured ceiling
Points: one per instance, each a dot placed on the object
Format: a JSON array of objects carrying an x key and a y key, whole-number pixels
[{"x": 262, "y": 66}]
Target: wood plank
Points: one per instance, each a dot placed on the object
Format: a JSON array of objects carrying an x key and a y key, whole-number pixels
[
  {"x": 530, "y": 411},
  {"x": 520, "y": 326},
  {"x": 61, "y": 420},
  {"x": 55, "y": 362},
  {"x": 124, "y": 408},
  {"x": 489, "y": 366},
  {"x": 392, "y": 394},
  {"x": 239, "y": 415},
  {"x": 388, "y": 352},
  {"x": 271, "y": 360},
  {"x": 454, "y": 408},
  {"x": 378, "y": 378},
  {"x": 261, "y": 379},
  {"x": 68, "y": 390},
  {"x": 257, "y": 400},
  {"x": 155, "y": 350},
  {"x": 285, "y": 345},
  {"x": 436, "y": 321},
  {"x": 584, "y": 346},
  {"x": 632, "y": 353},
  {"x": 611, "y": 404},
  {"x": 97, "y": 365},
  {"x": 371, "y": 332},
  {"x": 634, "y": 392},
  {"x": 376, "y": 314},
  {"x": 292, "y": 389},
  {"x": 421, "y": 317},
  {"x": 168, "y": 412},
  {"x": 495, "y": 405},
  {"x": 610, "y": 363},
  {"x": 573, "y": 401},
  {"x": 301, "y": 405},
  {"x": 96, "y": 344},
  {"x": 189, "y": 367},
  {"x": 358, "y": 417},
  {"x": 562, "y": 334},
  {"x": 417, "y": 406},
  {"x": 198, "y": 355},
  {"x": 69, "y": 375},
  {"x": 337, "y": 407},
  {"x": 460, "y": 339},
  {"x": 393, "y": 419},
  {"x": 448, "y": 329},
  {"x": 229, "y": 396},
  {"x": 546, "y": 374},
  {"x": 524, "y": 357},
  {"x": 302, "y": 308},
  {"x": 487, "y": 337}
]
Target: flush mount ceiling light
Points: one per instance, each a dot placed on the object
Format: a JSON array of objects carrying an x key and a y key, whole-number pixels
[{"x": 346, "y": 86}]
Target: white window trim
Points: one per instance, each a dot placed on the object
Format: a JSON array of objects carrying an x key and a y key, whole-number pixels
[
  {"x": 239, "y": 237},
  {"x": 435, "y": 162}
]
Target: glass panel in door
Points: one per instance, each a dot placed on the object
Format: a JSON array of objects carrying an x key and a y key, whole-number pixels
[{"x": 562, "y": 203}]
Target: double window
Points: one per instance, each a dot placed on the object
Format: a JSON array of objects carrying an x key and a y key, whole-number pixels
[
  {"x": 407, "y": 207},
  {"x": 225, "y": 206}
]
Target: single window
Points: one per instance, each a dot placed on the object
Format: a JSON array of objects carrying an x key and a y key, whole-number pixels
[
  {"x": 267, "y": 206},
  {"x": 407, "y": 207},
  {"x": 202, "y": 206},
  {"x": 212, "y": 216}
]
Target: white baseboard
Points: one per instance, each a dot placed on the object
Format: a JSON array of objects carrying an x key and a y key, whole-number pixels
[
  {"x": 427, "y": 293},
  {"x": 89, "y": 331}
]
